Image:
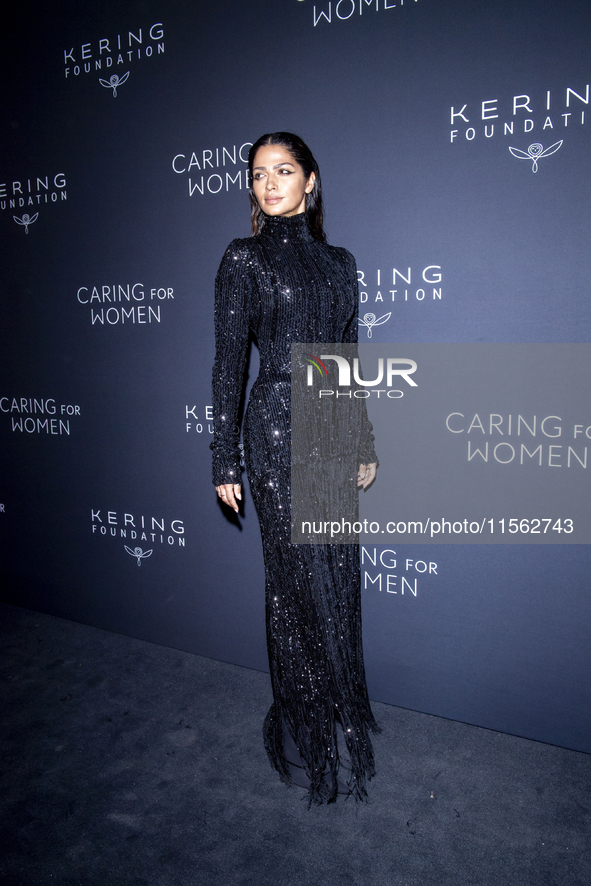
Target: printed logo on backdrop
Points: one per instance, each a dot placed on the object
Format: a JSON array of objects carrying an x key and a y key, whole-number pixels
[
  {"x": 139, "y": 554},
  {"x": 111, "y": 58},
  {"x": 140, "y": 536},
  {"x": 26, "y": 220},
  {"x": 125, "y": 304},
  {"x": 23, "y": 193},
  {"x": 531, "y": 438},
  {"x": 381, "y": 288},
  {"x": 385, "y": 572},
  {"x": 42, "y": 415},
  {"x": 199, "y": 421},
  {"x": 329, "y": 12},
  {"x": 214, "y": 170},
  {"x": 547, "y": 118},
  {"x": 114, "y": 81}
]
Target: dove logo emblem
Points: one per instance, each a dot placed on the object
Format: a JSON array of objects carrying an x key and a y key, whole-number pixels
[
  {"x": 370, "y": 320},
  {"x": 114, "y": 82},
  {"x": 138, "y": 553},
  {"x": 535, "y": 152},
  {"x": 26, "y": 220}
]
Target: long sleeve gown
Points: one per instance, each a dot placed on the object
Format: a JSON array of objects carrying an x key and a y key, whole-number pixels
[{"x": 280, "y": 287}]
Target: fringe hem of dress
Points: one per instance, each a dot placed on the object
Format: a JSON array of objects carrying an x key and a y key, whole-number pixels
[{"x": 321, "y": 761}]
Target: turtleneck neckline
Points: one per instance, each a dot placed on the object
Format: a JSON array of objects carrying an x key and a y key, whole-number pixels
[{"x": 286, "y": 227}]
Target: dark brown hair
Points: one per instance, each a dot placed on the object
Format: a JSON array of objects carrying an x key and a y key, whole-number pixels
[{"x": 302, "y": 154}]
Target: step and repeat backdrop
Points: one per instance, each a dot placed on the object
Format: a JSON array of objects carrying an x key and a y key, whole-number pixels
[{"x": 454, "y": 144}]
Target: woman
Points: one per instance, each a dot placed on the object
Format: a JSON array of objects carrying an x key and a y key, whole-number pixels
[{"x": 283, "y": 285}]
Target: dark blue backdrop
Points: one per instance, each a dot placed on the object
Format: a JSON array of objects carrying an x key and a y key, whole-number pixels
[{"x": 117, "y": 200}]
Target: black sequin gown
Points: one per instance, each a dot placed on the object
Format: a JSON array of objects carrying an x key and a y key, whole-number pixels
[{"x": 280, "y": 287}]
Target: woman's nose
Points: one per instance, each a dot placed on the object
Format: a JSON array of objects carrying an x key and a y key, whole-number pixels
[{"x": 271, "y": 183}]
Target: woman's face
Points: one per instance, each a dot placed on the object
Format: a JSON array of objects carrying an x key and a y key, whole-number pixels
[{"x": 279, "y": 182}]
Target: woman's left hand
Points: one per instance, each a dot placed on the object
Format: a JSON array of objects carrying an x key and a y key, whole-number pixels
[
  {"x": 228, "y": 493},
  {"x": 366, "y": 475}
]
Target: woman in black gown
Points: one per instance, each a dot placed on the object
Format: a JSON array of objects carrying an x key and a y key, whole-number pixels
[{"x": 283, "y": 285}]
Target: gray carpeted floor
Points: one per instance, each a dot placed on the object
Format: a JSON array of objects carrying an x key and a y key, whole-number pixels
[{"x": 129, "y": 764}]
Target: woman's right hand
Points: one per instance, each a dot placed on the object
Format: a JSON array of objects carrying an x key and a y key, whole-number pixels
[{"x": 228, "y": 493}]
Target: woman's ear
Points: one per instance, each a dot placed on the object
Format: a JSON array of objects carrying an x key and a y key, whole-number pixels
[{"x": 311, "y": 181}]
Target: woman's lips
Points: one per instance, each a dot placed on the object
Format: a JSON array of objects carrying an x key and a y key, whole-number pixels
[{"x": 273, "y": 199}]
